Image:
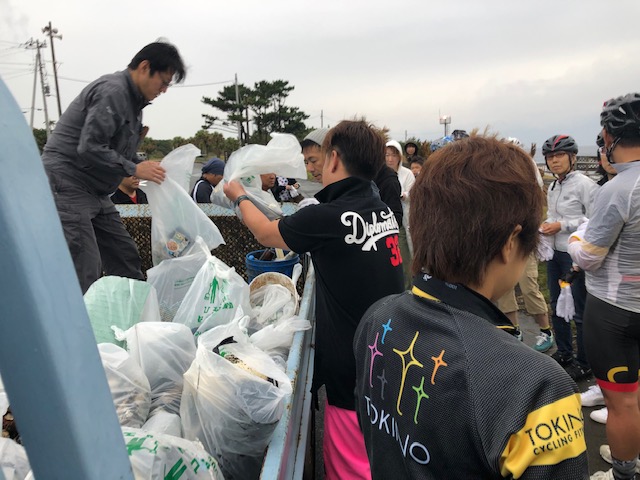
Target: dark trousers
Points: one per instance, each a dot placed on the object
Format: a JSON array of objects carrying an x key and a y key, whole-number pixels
[
  {"x": 97, "y": 239},
  {"x": 556, "y": 267}
]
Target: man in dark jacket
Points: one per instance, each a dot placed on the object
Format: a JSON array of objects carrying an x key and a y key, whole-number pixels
[
  {"x": 91, "y": 150},
  {"x": 212, "y": 172}
]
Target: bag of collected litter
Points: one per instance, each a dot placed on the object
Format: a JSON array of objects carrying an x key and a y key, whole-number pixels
[
  {"x": 164, "y": 422},
  {"x": 159, "y": 456},
  {"x": 565, "y": 307},
  {"x": 164, "y": 351},
  {"x": 276, "y": 338},
  {"x": 178, "y": 164},
  {"x": 176, "y": 220},
  {"x": 14, "y": 462},
  {"x": 213, "y": 298},
  {"x": 172, "y": 278},
  {"x": 232, "y": 400},
  {"x": 129, "y": 387},
  {"x": 281, "y": 155},
  {"x": 121, "y": 302}
]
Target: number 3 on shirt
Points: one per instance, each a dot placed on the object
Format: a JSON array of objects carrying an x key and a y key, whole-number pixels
[{"x": 392, "y": 245}]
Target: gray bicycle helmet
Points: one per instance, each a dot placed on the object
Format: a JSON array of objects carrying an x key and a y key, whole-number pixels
[
  {"x": 559, "y": 143},
  {"x": 621, "y": 116}
]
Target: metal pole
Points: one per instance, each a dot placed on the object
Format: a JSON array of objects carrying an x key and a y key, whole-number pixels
[
  {"x": 52, "y": 33},
  {"x": 321, "y": 118}
]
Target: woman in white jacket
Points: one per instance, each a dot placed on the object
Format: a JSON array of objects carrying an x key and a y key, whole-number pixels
[
  {"x": 568, "y": 204},
  {"x": 393, "y": 158}
]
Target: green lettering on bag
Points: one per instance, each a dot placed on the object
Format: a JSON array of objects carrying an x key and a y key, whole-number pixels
[{"x": 176, "y": 471}]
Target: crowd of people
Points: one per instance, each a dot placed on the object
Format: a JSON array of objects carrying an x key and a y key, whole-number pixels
[{"x": 416, "y": 262}]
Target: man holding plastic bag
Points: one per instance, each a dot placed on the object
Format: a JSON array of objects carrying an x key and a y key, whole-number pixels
[
  {"x": 353, "y": 240},
  {"x": 93, "y": 148}
]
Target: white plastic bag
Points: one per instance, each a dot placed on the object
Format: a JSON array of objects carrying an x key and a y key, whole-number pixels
[
  {"x": 565, "y": 307},
  {"x": 172, "y": 278},
  {"x": 158, "y": 456},
  {"x": 121, "y": 302},
  {"x": 176, "y": 221},
  {"x": 281, "y": 155},
  {"x": 163, "y": 422},
  {"x": 129, "y": 387},
  {"x": 164, "y": 351},
  {"x": 4, "y": 400},
  {"x": 213, "y": 298},
  {"x": 14, "y": 462},
  {"x": 275, "y": 339},
  {"x": 233, "y": 408},
  {"x": 178, "y": 164},
  {"x": 272, "y": 302}
]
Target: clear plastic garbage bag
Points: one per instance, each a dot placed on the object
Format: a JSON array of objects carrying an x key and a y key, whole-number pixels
[
  {"x": 213, "y": 298},
  {"x": 233, "y": 397},
  {"x": 160, "y": 456},
  {"x": 178, "y": 165},
  {"x": 164, "y": 351},
  {"x": 281, "y": 155},
  {"x": 176, "y": 221},
  {"x": 129, "y": 386},
  {"x": 172, "y": 278},
  {"x": 121, "y": 302},
  {"x": 14, "y": 462}
]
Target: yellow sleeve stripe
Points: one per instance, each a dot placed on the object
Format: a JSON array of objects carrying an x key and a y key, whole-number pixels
[
  {"x": 550, "y": 435},
  {"x": 592, "y": 249}
]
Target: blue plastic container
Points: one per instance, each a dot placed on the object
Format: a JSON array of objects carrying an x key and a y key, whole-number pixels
[{"x": 255, "y": 267}]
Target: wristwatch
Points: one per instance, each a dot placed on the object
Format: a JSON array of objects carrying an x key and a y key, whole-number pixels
[{"x": 240, "y": 199}]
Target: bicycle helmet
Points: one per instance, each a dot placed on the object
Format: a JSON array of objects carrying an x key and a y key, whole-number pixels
[
  {"x": 459, "y": 134},
  {"x": 441, "y": 142},
  {"x": 559, "y": 143},
  {"x": 621, "y": 116}
]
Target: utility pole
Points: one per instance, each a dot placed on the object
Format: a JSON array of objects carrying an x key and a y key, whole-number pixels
[
  {"x": 53, "y": 33},
  {"x": 239, "y": 122},
  {"x": 45, "y": 86},
  {"x": 321, "y": 118},
  {"x": 31, "y": 44}
]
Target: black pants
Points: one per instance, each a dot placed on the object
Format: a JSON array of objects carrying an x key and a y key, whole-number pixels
[{"x": 97, "y": 239}]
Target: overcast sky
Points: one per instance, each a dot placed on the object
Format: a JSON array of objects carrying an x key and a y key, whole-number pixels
[{"x": 527, "y": 69}]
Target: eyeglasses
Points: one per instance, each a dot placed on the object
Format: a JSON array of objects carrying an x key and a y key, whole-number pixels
[
  {"x": 166, "y": 83},
  {"x": 552, "y": 155}
]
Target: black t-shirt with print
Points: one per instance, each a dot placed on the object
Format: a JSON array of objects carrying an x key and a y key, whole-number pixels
[{"x": 353, "y": 240}]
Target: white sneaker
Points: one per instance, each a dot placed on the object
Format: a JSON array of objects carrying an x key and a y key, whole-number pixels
[
  {"x": 605, "y": 453},
  {"x": 600, "y": 416},
  {"x": 592, "y": 397},
  {"x": 608, "y": 475}
]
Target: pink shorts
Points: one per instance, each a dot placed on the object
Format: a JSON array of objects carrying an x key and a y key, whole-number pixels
[{"x": 345, "y": 456}]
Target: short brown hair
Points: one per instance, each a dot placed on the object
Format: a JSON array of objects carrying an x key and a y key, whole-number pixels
[
  {"x": 359, "y": 145},
  {"x": 469, "y": 197}
]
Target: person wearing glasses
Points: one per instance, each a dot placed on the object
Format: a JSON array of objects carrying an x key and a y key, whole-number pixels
[
  {"x": 91, "y": 150},
  {"x": 568, "y": 205}
]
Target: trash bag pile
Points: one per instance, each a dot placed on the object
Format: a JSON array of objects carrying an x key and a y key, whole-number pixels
[{"x": 195, "y": 358}]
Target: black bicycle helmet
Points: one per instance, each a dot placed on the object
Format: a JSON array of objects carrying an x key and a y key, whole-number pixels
[
  {"x": 621, "y": 116},
  {"x": 459, "y": 134},
  {"x": 559, "y": 143}
]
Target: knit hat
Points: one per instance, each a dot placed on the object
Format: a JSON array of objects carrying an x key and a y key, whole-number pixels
[
  {"x": 317, "y": 136},
  {"x": 214, "y": 165}
]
